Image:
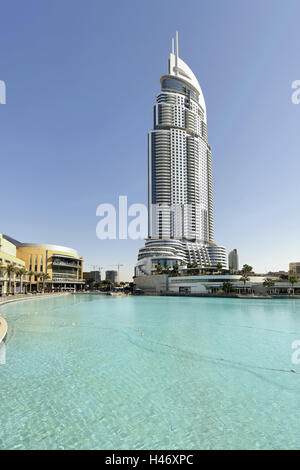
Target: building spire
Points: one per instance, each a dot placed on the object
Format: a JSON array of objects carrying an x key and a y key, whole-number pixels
[
  {"x": 176, "y": 56},
  {"x": 173, "y": 51},
  {"x": 177, "y": 49}
]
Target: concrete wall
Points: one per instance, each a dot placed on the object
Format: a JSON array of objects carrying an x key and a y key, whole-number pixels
[{"x": 152, "y": 284}]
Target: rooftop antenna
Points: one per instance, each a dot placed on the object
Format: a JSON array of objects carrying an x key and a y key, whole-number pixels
[{"x": 173, "y": 51}]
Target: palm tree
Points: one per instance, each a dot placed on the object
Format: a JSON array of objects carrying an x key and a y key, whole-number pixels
[
  {"x": 183, "y": 264},
  {"x": 21, "y": 273},
  {"x": 196, "y": 268},
  {"x": 207, "y": 269},
  {"x": 268, "y": 283},
  {"x": 219, "y": 267},
  {"x": 2, "y": 273},
  {"x": 30, "y": 274},
  {"x": 246, "y": 269},
  {"x": 37, "y": 275},
  {"x": 17, "y": 274},
  {"x": 109, "y": 286},
  {"x": 244, "y": 279},
  {"x": 189, "y": 266},
  {"x": 16, "y": 277},
  {"x": 44, "y": 277},
  {"x": 168, "y": 268},
  {"x": 2, "y": 268},
  {"x": 159, "y": 269},
  {"x": 10, "y": 269},
  {"x": 227, "y": 286},
  {"x": 293, "y": 280},
  {"x": 175, "y": 269}
]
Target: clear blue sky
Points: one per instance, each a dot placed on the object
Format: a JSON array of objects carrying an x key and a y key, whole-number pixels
[{"x": 81, "y": 81}]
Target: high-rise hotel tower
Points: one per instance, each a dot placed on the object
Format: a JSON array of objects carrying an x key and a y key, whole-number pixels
[{"x": 180, "y": 195}]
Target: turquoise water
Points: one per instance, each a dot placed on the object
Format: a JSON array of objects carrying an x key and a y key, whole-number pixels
[{"x": 100, "y": 372}]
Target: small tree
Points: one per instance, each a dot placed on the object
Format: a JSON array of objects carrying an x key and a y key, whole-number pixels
[
  {"x": 227, "y": 286},
  {"x": 30, "y": 274},
  {"x": 219, "y": 267},
  {"x": 196, "y": 268},
  {"x": 175, "y": 269},
  {"x": 38, "y": 276},
  {"x": 268, "y": 283},
  {"x": 109, "y": 285},
  {"x": 244, "y": 279},
  {"x": 293, "y": 280},
  {"x": 189, "y": 269},
  {"x": 44, "y": 277},
  {"x": 168, "y": 268},
  {"x": 159, "y": 269},
  {"x": 21, "y": 273},
  {"x": 10, "y": 269},
  {"x": 3, "y": 272},
  {"x": 246, "y": 269},
  {"x": 207, "y": 269}
]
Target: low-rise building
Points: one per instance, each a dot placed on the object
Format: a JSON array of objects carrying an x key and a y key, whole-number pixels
[
  {"x": 279, "y": 274},
  {"x": 92, "y": 276},
  {"x": 294, "y": 268},
  {"x": 49, "y": 267},
  {"x": 205, "y": 284},
  {"x": 62, "y": 265},
  {"x": 211, "y": 284}
]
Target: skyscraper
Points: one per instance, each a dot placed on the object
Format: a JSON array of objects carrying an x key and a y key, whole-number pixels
[
  {"x": 233, "y": 260},
  {"x": 112, "y": 276},
  {"x": 180, "y": 195}
]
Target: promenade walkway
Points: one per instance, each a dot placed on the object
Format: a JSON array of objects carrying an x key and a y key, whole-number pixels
[
  {"x": 3, "y": 328},
  {"x": 5, "y": 299}
]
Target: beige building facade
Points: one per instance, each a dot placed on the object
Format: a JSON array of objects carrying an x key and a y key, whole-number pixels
[
  {"x": 294, "y": 268},
  {"x": 8, "y": 258},
  {"x": 48, "y": 268}
]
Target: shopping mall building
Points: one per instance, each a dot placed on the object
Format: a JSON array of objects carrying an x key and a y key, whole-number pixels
[{"x": 62, "y": 265}]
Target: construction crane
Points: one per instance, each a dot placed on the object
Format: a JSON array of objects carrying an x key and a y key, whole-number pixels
[{"x": 95, "y": 268}]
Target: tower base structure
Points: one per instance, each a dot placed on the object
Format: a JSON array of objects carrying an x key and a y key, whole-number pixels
[{"x": 169, "y": 252}]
